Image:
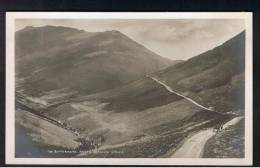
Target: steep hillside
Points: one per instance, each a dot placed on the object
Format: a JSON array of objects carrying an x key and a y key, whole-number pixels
[
  {"x": 50, "y": 58},
  {"x": 214, "y": 78}
]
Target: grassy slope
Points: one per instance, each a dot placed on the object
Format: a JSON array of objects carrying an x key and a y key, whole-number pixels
[
  {"x": 214, "y": 78},
  {"x": 141, "y": 116},
  {"x": 49, "y": 58},
  {"x": 229, "y": 143}
]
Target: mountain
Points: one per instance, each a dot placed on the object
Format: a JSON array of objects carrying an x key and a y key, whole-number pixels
[
  {"x": 50, "y": 58},
  {"x": 151, "y": 120},
  {"x": 214, "y": 78},
  {"x": 144, "y": 119},
  {"x": 138, "y": 118}
]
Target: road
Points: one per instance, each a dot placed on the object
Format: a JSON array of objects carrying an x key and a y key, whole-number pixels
[
  {"x": 185, "y": 97},
  {"x": 194, "y": 146},
  {"x": 233, "y": 121}
]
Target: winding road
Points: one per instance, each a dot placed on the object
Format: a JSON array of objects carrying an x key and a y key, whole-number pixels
[
  {"x": 185, "y": 97},
  {"x": 233, "y": 121},
  {"x": 193, "y": 147}
]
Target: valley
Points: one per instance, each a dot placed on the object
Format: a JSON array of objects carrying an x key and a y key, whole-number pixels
[
  {"x": 108, "y": 131},
  {"x": 103, "y": 95}
]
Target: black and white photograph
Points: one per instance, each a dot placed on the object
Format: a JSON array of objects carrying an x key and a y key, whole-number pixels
[{"x": 129, "y": 88}]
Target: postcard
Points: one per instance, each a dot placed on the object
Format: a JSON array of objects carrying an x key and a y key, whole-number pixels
[{"x": 151, "y": 88}]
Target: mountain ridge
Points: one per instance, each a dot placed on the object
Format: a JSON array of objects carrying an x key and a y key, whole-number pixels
[{"x": 53, "y": 57}]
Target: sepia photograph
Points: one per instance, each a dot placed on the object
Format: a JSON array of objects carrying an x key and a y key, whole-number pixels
[{"x": 129, "y": 88}]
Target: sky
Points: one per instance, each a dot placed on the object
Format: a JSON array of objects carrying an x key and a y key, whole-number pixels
[{"x": 177, "y": 39}]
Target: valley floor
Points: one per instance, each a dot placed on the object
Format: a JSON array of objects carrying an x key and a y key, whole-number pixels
[{"x": 179, "y": 129}]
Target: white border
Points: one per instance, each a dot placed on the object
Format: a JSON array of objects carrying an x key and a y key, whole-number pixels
[{"x": 10, "y": 81}]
